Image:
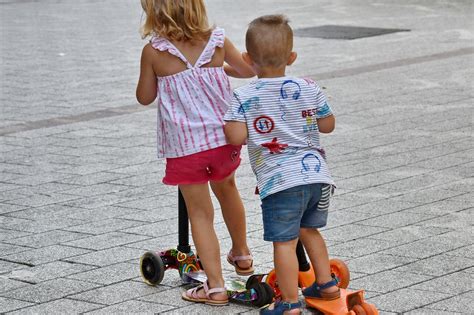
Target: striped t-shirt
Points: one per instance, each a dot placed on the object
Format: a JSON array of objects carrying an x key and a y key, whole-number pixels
[{"x": 283, "y": 135}]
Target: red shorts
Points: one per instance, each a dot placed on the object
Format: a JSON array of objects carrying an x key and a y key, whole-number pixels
[{"x": 199, "y": 168}]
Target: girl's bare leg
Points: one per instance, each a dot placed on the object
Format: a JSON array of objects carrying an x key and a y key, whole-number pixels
[
  {"x": 234, "y": 216},
  {"x": 201, "y": 215}
]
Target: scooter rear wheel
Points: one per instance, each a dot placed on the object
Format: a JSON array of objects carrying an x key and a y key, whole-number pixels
[{"x": 340, "y": 270}]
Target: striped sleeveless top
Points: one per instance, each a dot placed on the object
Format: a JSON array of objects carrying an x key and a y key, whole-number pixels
[{"x": 192, "y": 103}]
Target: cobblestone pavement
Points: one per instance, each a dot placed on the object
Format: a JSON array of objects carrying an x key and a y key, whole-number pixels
[{"x": 81, "y": 195}]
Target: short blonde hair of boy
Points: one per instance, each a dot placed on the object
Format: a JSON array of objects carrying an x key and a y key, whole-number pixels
[
  {"x": 176, "y": 19},
  {"x": 269, "y": 40}
]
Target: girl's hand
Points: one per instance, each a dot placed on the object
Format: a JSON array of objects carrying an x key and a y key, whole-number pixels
[
  {"x": 236, "y": 66},
  {"x": 147, "y": 85}
]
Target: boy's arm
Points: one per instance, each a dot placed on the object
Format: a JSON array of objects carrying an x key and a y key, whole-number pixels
[
  {"x": 235, "y": 132},
  {"x": 326, "y": 124},
  {"x": 236, "y": 66},
  {"x": 146, "y": 87}
]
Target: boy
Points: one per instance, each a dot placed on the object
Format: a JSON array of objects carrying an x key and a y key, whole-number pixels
[{"x": 281, "y": 117}]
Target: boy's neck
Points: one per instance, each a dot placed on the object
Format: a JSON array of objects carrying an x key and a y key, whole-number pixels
[{"x": 270, "y": 72}]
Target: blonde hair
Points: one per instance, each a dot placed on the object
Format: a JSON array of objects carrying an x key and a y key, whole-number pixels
[
  {"x": 269, "y": 40},
  {"x": 176, "y": 19}
]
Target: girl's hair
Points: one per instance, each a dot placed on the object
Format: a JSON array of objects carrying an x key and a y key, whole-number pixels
[{"x": 176, "y": 19}]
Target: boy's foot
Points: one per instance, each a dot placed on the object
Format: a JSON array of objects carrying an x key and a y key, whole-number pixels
[
  {"x": 326, "y": 291},
  {"x": 243, "y": 264},
  {"x": 281, "y": 307},
  {"x": 203, "y": 294}
]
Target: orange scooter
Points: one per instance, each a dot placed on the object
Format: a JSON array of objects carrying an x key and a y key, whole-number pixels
[{"x": 350, "y": 302}]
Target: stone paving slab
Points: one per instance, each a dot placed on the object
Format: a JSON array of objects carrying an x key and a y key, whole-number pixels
[{"x": 81, "y": 196}]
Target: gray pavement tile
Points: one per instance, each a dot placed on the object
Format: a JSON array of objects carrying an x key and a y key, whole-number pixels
[
  {"x": 232, "y": 308},
  {"x": 37, "y": 226},
  {"x": 94, "y": 190},
  {"x": 93, "y": 179},
  {"x": 408, "y": 234},
  {"x": 134, "y": 306},
  {"x": 7, "y": 266},
  {"x": 430, "y": 311},
  {"x": 375, "y": 263},
  {"x": 387, "y": 281},
  {"x": 351, "y": 232},
  {"x": 49, "y": 271},
  {"x": 104, "y": 226},
  {"x": 359, "y": 247},
  {"x": 9, "y": 284},
  {"x": 458, "y": 221},
  {"x": 157, "y": 202},
  {"x": 429, "y": 195},
  {"x": 153, "y": 215},
  {"x": 115, "y": 293},
  {"x": 442, "y": 207},
  {"x": 383, "y": 206},
  {"x": 158, "y": 243},
  {"x": 45, "y": 254},
  {"x": 107, "y": 240},
  {"x": 39, "y": 200},
  {"x": 107, "y": 257},
  {"x": 404, "y": 300},
  {"x": 44, "y": 213},
  {"x": 467, "y": 252},
  {"x": 422, "y": 249},
  {"x": 462, "y": 303},
  {"x": 397, "y": 219},
  {"x": 46, "y": 239},
  {"x": 455, "y": 283},
  {"x": 7, "y": 249},
  {"x": 8, "y": 305},
  {"x": 50, "y": 290},
  {"x": 155, "y": 229},
  {"x": 437, "y": 265},
  {"x": 62, "y": 306},
  {"x": 8, "y": 208},
  {"x": 109, "y": 274}
]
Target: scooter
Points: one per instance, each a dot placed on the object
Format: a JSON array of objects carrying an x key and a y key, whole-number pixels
[{"x": 154, "y": 264}]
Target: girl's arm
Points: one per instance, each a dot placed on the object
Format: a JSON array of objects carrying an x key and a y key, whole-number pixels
[
  {"x": 235, "y": 132},
  {"x": 236, "y": 66},
  {"x": 146, "y": 87}
]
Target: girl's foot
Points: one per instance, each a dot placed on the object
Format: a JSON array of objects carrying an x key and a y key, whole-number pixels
[
  {"x": 203, "y": 294},
  {"x": 243, "y": 263}
]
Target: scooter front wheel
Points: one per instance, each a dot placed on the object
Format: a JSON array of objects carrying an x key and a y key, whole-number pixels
[{"x": 152, "y": 268}]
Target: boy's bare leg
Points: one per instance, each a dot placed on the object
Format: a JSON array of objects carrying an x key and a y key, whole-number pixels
[
  {"x": 234, "y": 216},
  {"x": 286, "y": 268},
  {"x": 315, "y": 246},
  {"x": 201, "y": 215}
]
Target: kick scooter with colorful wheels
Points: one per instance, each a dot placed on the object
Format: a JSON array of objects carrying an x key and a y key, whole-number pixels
[
  {"x": 154, "y": 264},
  {"x": 350, "y": 302}
]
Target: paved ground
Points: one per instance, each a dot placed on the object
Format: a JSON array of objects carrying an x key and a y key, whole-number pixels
[{"x": 80, "y": 193}]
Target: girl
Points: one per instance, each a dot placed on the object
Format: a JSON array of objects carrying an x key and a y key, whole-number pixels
[{"x": 183, "y": 66}]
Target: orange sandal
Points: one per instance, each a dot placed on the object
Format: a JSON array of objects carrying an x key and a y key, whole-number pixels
[
  {"x": 191, "y": 295},
  {"x": 233, "y": 261}
]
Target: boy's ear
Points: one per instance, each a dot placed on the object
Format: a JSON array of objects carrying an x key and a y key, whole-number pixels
[
  {"x": 247, "y": 59},
  {"x": 292, "y": 58}
]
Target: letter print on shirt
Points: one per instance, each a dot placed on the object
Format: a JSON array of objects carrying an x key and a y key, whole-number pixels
[
  {"x": 274, "y": 180},
  {"x": 252, "y": 102}
]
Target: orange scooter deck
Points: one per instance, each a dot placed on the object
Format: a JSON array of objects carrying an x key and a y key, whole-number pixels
[{"x": 339, "y": 306}]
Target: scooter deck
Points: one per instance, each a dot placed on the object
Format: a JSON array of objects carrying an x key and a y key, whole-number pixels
[
  {"x": 339, "y": 306},
  {"x": 232, "y": 286}
]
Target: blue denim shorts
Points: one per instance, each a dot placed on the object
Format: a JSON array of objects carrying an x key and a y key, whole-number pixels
[{"x": 285, "y": 212}]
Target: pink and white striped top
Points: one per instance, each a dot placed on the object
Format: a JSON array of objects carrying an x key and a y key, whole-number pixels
[{"x": 192, "y": 103}]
